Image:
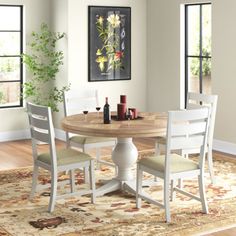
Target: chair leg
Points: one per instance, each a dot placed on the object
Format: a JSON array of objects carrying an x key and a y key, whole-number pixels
[
  {"x": 157, "y": 149},
  {"x": 86, "y": 173},
  {"x": 139, "y": 186},
  {"x": 92, "y": 181},
  {"x": 167, "y": 200},
  {"x": 98, "y": 165},
  {"x": 116, "y": 170},
  {"x": 53, "y": 192},
  {"x": 157, "y": 153},
  {"x": 202, "y": 193},
  {"x": 172, "y": 192},
  {"x": 210, "y": 166},
  {"x": 180, "y": 183},
  {"x": 34, "y": 181},
  {"x": 72, "y": 181}
]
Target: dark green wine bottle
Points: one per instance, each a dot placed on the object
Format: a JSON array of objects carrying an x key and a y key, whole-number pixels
[{"x": 106, "y": 113}]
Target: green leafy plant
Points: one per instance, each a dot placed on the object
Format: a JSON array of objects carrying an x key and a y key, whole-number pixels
[
  {"x": 43, "y": 63},
  {"x": 206, "y": 65}
]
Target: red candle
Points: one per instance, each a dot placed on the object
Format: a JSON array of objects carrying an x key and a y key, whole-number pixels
[
  {"x": 134, "y": 113},
  {"x": 122, "y": 98},
  {"x": 121, "y": 109}
]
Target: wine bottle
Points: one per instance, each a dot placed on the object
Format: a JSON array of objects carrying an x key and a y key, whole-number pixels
[{"x": 106, "y": 113}]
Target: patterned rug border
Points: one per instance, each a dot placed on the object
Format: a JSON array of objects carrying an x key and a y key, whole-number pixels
[
  {"x": 201, "y": 229},
  {"x": 220, "y": 206}
]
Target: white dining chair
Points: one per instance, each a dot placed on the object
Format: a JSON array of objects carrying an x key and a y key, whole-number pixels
[
  {"x": 75, "y": 101},
  {"x": 55, "y": 161},
  {"x": 185, "y": 130},
  {"x": 195, "y": 101}
]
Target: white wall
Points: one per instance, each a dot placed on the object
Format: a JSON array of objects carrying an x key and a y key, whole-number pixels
[
  {"x": 223, "y": 67},
  {"x": 163, "y": 54},
  {"x": 59, "y": 23},
  {"x": 36, "y": 12},
  {"x": 163, "y": 63},
  {"x": 135, "y": 89},
  {"x": 71, "y": 17}
]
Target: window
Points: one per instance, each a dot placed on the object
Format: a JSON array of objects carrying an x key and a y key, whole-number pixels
[
  {"x": 198, "y": 48},
  {"x": 11, "y": 37}
]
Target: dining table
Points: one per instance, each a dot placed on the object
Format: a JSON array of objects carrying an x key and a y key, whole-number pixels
[{"x": 125, "y": 153}]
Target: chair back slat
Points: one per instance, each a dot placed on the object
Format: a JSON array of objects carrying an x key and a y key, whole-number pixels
[
  {"x": 39, "y": 122},
  {"x": 189, "y": 116},
  {"x": 192, "y": 142},
  {"x": 196, "y": 100},
  {"x": 40, "y": 136},
  {"x": 37, "y": 110},
  {"x": 75, "y": 101},
  {"x": 187, "y": 129},
  {"x": 41, "y": 128}
]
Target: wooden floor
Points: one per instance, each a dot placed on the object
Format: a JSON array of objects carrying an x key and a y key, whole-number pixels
[
  {"x": 19, "y": 153},
  {"x": 16, "y": 154}
]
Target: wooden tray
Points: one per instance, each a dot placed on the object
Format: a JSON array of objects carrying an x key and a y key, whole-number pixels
[{"x": 114, "y": 117}]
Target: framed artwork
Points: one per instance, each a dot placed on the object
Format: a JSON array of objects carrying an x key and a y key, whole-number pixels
[{"x": 109, "y": 52}]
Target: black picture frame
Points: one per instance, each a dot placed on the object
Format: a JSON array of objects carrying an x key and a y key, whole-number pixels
[{"x": 109, "y": 43}]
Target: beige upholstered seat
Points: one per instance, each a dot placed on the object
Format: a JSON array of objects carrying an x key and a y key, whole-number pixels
[
  {"x": 75, "y": 101},
  {"x": 65, "y": 157},
  {"x": 185, "y": 130},
  {"x": 195, "y": 101},
  {"x": 55, "y": 161},
  {"x": 177, "y": 163}
]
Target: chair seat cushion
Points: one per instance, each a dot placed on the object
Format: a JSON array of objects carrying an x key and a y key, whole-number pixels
[
  {"x": 65, "y": 157},
  {"x": 177, "y": 163},
  {"x": 90, "y": 140}
]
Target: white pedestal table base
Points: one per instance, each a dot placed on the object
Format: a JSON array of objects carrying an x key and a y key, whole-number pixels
[{"x": 125, "y": 156}]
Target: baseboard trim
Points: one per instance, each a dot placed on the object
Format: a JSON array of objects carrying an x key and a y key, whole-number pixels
[
  {"x": 14, "y": 135},
  {"x": 223, "y": 146}
]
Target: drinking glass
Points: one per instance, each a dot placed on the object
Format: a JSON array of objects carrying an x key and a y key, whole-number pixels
[
  {"x": 98, "y": 109},
  {"x": 85, "y": 114}
]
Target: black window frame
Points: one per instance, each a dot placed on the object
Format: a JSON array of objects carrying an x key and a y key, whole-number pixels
[
  {"x": 200, "y": 56},
  {"x": 18, "y": 56}
]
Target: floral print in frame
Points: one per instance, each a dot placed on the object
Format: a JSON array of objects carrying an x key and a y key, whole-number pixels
[{"x": 109, "y": 43}]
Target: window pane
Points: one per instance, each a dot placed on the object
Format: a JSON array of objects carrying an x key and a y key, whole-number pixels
[
  {"x": 206, "y": 76},
  {"x": 9, "y": 68},
  {"x": 206, "y": 30},
  {"x": 193, "y": 75},
  {"x": 193, "y": 30},
  {"x": 9, "y": 94},
  {"x": 9, "y": 43},
  {"x": 11, "y": 15}
]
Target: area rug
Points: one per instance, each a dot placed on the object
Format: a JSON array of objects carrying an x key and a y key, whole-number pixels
[{"x": 115, "y": 213}]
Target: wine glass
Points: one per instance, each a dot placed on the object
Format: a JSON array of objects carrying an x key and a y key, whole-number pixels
[
  {"x": 98, "y": 109},
  {"x": 129, "y": 116},
  {"x": 85, "y": 114}
]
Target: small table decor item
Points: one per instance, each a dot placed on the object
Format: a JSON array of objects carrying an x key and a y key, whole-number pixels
[
  {"x": 121, "y": 108},
  {"x": 109, "y": 49}
]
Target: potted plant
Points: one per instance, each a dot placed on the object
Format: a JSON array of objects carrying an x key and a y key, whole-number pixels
[{"x": 43, "y": 62}]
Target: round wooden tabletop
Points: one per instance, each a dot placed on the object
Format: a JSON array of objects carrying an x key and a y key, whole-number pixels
[{"x": 148, "y": 124}]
